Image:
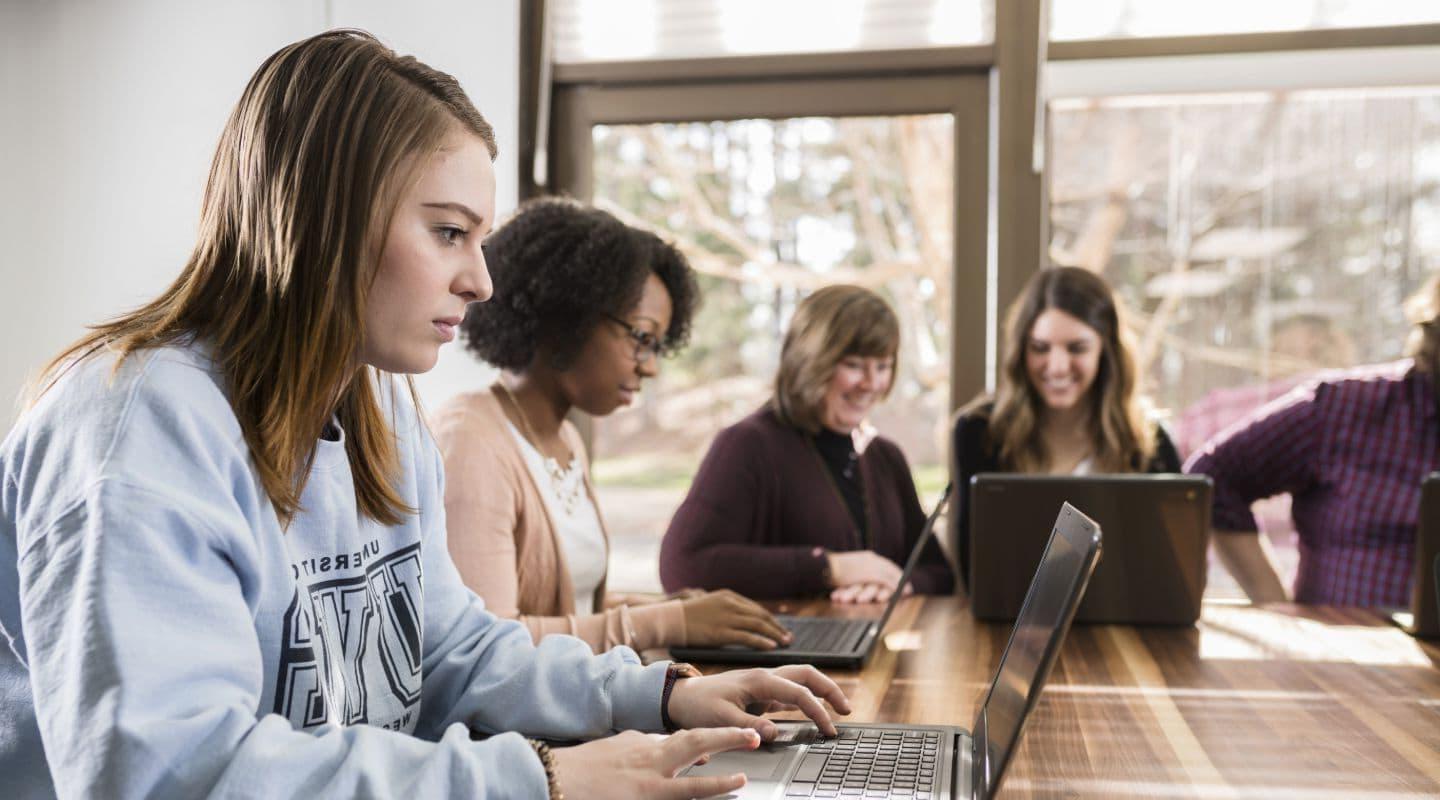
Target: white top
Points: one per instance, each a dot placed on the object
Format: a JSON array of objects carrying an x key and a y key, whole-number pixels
[
  {"x": 1085, "y": 466},
  {"x": 577, "y": 523}
]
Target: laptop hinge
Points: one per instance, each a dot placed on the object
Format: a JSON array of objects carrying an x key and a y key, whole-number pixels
[{"x": 979, "y": 738}]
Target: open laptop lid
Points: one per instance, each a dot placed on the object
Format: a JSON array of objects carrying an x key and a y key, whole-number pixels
[
  {"x": 1034, "y": 645},
  {"x": 1157, "y": 528},
  {"x": 914, "y": 556},
  {"x": 1423, "y": 619}
]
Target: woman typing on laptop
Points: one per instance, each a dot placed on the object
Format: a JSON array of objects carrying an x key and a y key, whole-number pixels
[
  {"x": 1067, "y": 400},
  {"x": 802, "y": 497},
  {"x": 585, "y": 308},
  {"x": 223, "y": 569}
]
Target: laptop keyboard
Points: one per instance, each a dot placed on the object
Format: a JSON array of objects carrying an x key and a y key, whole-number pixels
[
  {"x": 824, "y": 634},
  {"x": 870, "y": 763}
]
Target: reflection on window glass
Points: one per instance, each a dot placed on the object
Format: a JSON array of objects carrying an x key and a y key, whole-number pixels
[
  {"x": 605, "y": 30},
  {"x": 1255, "y": 238},
  {"x": 1117, "y": 19},
  {"x": 766, "y": 211}
]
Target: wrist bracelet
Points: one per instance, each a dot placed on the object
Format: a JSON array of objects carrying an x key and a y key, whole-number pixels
[
  {"x": 547, "y": 760},
  {"x": 676, "y": 671}
]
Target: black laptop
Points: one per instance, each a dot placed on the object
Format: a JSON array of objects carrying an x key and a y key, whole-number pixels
[
  {"x": 837, "y": 642},
  {"x": 1423, "y": 618},
  {"x": 1156, "y": 531},
  {"x": 931, "y": 762}
]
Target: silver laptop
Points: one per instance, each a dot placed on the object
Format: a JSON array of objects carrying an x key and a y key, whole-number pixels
[
  {"x": 835, "y": 642},
  {"x": 934, "y": 762},
  {"x": 1156, "y": 530}
]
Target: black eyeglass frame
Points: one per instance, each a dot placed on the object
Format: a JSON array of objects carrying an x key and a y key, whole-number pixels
[{"x": 645, "y": 341}]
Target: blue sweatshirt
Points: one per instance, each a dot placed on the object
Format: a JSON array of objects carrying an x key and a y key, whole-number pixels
[{"x": 162, "y": 635}]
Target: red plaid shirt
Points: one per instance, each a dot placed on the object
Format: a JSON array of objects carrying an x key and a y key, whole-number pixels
[{"x": 1351, "y": 448}]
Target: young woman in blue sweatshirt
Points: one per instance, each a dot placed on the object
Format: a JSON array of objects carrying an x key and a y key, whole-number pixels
[{"x": 223, "y": 569}]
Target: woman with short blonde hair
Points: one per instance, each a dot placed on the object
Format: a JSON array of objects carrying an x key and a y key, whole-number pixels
[
  {"x": 833, "y": 323},
  {"x": 801, "y": 497}
]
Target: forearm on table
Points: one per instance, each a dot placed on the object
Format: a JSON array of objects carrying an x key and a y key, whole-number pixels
[{"x": 1246, "y": 555}]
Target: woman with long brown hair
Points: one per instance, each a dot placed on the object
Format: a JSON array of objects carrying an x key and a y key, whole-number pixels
[
  {"x": 1067, "y": 401},
  {"x": 223, "y": 568}
]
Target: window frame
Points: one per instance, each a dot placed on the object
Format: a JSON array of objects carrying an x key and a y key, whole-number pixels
[{"x": 965, "y": 96}]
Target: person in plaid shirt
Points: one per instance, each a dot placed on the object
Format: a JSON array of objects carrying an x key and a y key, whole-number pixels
[{"x": 1351, "y": 448}]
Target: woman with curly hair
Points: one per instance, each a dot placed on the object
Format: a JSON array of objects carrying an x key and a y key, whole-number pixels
[
  {"x": 801, "y": 497},
  {"x": 1068, "y": 399},
  {"x": 585, "y": 308}
]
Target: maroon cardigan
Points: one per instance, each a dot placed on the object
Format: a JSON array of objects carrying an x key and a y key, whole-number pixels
[{"x": 763, "y": 510}]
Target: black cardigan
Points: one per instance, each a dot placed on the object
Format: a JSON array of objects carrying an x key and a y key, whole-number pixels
[{"x": 972, "y": 453}]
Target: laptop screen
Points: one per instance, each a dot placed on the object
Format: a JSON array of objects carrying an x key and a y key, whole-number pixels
[
  {"x": 1035, "y": 641},
  {"x": 915, "y": 552}
]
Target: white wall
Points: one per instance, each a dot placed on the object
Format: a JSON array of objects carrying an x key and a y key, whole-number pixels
[{"x": 109, "y": 114}]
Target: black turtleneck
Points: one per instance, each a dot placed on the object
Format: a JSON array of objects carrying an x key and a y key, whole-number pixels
[{"x": 837, "y": 450}]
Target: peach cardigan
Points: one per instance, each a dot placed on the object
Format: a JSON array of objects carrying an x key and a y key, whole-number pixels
[{"x": 504, "y": 544}]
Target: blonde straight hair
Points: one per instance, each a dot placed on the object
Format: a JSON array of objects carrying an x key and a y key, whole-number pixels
[
  {"x": 830, "y": 325},
  {"x": 1122, "y": 437},
  {"x": 308, "y": 172}
]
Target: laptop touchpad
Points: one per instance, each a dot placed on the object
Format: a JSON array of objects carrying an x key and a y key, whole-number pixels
[{"x": 764, "y": 768}]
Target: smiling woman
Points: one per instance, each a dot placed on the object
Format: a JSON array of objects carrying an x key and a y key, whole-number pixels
[
  {"x": 802, "y": 497},
  {"x": 1068, "y": 400}
]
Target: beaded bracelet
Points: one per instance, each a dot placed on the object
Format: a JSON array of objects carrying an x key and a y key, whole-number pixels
[{"x": 547, "y": 760}]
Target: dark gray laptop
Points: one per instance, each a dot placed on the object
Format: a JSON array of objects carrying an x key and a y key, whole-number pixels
[
  {"x": 1156, "y": 531},
  {"x": 1423, "y": 618},
  {"x": 836, "y": 642},
  {"x": 931, "y": 762}
]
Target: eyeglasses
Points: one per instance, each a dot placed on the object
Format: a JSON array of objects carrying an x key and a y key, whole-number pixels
[{"x": 647, "y": 345}]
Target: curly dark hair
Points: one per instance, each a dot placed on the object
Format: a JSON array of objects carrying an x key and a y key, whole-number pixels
[{"x": 559, "y": 268}]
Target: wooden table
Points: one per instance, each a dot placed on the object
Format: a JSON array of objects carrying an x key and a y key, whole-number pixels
[{"x": 1279, "y": 701}]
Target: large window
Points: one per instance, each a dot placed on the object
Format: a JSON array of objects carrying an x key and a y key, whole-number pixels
[
  {"x": 774, "y": 188},
  {"x": 1256, "y": 238}
]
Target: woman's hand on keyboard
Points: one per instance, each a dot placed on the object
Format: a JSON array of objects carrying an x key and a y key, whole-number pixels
[
  {"x": 740, "y": 697},
  {"x": 635, "y": 765},
  {"x": 714, "y": 619}
]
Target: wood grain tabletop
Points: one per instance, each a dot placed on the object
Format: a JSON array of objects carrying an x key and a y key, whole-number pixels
[{"x": 1276, "y": 701}]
